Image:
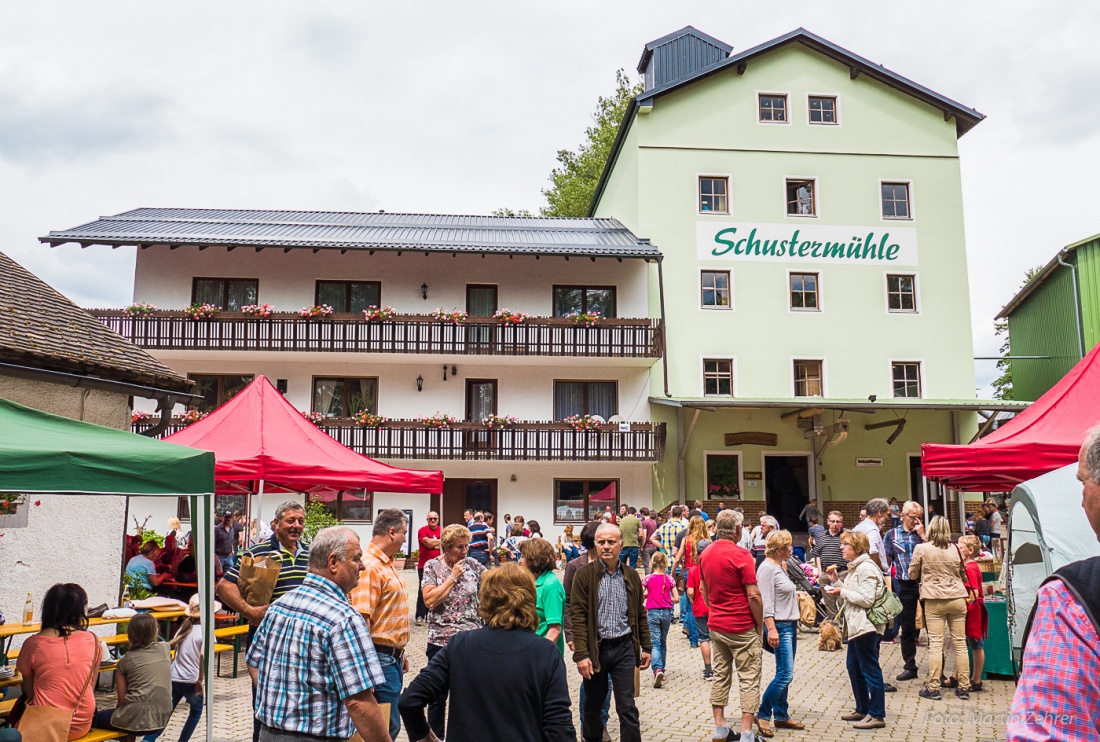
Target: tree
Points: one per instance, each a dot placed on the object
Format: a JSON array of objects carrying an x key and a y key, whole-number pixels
[
  {"x": 1002, "y": 385},
  {"x": 573, "y": 182}
]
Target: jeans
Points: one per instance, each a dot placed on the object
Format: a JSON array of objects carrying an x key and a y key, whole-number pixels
[
  {"x": 659, "y": 621},
  {"x": 421, "y": 609},
  {"x": 481, "y": 556},
  {"x": 617, "y": 663},
  {"x": 909, "y": 594},
  {"x": 865, "y": 675},
  {"x": 390, "y": 691},
  {"x": 774, "y": 704},
  {"x": 194, "y": 700},
  {"x": 571, "y": 553},
  {"x": 227, "y": 562},
  {"x": 437, "y": 710},
  {"x": 629, "y": 556}
]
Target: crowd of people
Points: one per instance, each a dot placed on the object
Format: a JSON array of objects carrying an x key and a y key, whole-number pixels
[{"x": 328, "y": 654}]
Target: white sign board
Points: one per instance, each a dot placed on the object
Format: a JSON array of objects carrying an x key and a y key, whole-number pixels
[{"x": 806, "y": 243}]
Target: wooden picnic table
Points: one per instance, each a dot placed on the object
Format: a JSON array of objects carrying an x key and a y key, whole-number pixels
[{"x": 11, "y": 630}]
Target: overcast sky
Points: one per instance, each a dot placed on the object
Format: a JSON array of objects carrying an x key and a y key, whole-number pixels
[{"x": 461, "y": 107}]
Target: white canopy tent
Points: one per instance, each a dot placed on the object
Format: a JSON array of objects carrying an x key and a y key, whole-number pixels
[{"x": 1048, "y": 530}]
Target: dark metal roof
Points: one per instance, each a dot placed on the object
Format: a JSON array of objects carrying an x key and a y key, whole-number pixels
[
  {"x": 323, "y": 230},
  {"x": 703, "y": 40},
  {"x": 966, "y": 118},
  {"x": 40, "y": 328}
]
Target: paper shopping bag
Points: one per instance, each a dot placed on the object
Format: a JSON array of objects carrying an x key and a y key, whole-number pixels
[{"x": 257, "y": 579}]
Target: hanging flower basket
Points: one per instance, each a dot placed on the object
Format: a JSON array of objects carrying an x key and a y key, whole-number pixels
[
  {"x": 261, "y": 311},
  {"x": 202, "y": 311},
  {"x": 140, "y": 309},
  {"x": 498, "y": 421},
  {"x": 191, "y": 416},
  {"x": 314, "y": 417},
  {"x": 369, "y": 419},
  {"x": 317, "y": 311},
  {"x": 584, "y": 422},
  {"x": 449, "y": 318},
  {"x": 438, "y": 420},
  {"x": 378, "y": 314},
  {"x": 138, "y": 416},
  {"x": 587, "y": 319},
  {"x": 508, "y": 317}
]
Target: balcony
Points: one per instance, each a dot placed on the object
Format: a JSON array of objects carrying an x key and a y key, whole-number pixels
[
  {"x": 350, "y": 333},
  {"x": 472, "y": 441}
]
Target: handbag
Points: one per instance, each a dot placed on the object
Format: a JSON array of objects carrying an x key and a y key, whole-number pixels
[
  {"x": 886, "y": 608},
  {"x": 50, "y": 723}
]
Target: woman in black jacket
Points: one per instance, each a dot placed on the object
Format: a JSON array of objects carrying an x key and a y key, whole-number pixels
[{"x": 527, "y": 671}]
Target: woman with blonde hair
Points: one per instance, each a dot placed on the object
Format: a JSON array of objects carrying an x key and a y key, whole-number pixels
[
  {"x": 567, "y": 544},
  {"x": 688, "y": 554},
  {"x": 940, "y": 567},
  {"x": 531, "y": 674},
  {"x": 859, "y": 589},
  {"x": 781, "y": 614}
]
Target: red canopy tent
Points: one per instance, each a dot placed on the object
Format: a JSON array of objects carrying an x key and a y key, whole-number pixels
[
  {"x": 1042, "y": 438},
  {"x": 259, "y": 438}
]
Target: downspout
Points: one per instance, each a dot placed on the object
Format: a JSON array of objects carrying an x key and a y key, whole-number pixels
[
  {"x": 164, "y": 407},
  {"x": 1076, "y": 306},
  {"x": 664, "y": 334}
]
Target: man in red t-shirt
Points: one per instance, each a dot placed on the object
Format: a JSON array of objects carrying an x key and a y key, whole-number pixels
[
  {"x": 428, "y": 538},
  {"x": 735, "y": 621}
]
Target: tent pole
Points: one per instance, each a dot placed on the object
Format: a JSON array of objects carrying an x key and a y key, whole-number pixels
[
  {"x": 203, "y": 516},
  {"x": 924, "y": 495},
  {"x": 125, "y": 544},
  {"x": 259, "y": 510}
]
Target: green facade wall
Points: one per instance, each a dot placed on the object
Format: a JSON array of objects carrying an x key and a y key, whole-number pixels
[{"x": 1088, "y": 276}]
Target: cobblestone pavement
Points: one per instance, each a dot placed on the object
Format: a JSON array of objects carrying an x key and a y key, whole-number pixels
[{"x": 680, "y": 710}]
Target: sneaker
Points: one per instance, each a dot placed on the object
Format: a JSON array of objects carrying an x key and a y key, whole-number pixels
[
  {"x": 708, "y": 675},
  {"x": 419, "y": 622},
  {"x": 854, "y": 716},
  {"x": 962, "y": 694},
  {"x": 932, "y": 695},
  {"x": 887, "y": 688},
  {"x": 870, "y": 723},
  {"x": 907, "y": 675},
  {"x": 658, "y": 678}
]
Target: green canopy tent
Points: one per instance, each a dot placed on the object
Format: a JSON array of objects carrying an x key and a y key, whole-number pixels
[{"x": 44, "y": 454}]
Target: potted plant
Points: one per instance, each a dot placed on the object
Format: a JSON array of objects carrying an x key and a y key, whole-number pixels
[
  {"x": 140, "y": 309},
  {"x": 191, "y": 416},
  {"x": 584, "y": 422},
  {"x": 438, "y": 420},
  {"x": 138, "y": 416},
  {"x": 508, "y": 317},
  {"x": 399, "y": 560},
  {"x": 260, "y": 311},
  {"x": 314, "y": 417},
  {"x": 368, "y": 419},
  {"x": 499, "y": 421},
  {"x": 200, "y": 312},
  {"x": 586, "y": 319},
  {"x": 456, "y": 317},
  {"x": 378, "y": 314},
  {"x": 12, "y": 512}
]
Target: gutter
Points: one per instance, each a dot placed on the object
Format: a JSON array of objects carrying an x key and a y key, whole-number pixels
[
  {"x": 616, "y": 147},
  {"x": 664, "y": 324},
  {"x": 1076, "y": 305}
]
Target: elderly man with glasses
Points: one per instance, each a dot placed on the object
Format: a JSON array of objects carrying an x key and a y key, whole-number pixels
[
  {"x": 826, "y": 553},
  {"x": 428, "y": 538},
  {"x": 898, "y": 547}
]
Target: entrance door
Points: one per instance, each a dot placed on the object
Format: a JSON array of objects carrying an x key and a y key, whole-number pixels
[
  {"x": 937, "y": 502},
  {"x": 787, "y": 485},
  {"x": 481, "y": 301},
  {"x": 481, "y": 401},
  {"x": 472, "y": 494}
]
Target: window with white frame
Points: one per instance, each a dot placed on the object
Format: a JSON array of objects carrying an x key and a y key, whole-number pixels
[
  {"x": 714, "y": 288},
  {"x": 808, "y": 381},
  {"x": 723, "y": 476},
  {"x": 901, "y": 292},
  {"x": 773, "y": 108},
  {"x": 801, "y": 197},
  {"x": 895, "y": 201},
  {"x": 906, "y": 376},
  {"x": 718, "y": 377},
  {"x": 714, "y": 194},
  {"x": 804, "y": 292},
  {"x": 822, "y": 109}
]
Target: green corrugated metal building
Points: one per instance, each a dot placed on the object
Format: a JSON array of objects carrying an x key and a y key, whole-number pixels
[{"x": 1055, "y": 316}]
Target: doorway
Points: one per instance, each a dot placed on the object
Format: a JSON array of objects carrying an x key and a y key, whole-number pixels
[
  {"x": 787, "y": 483},
  {"x": 481, "y": 402},
  {"x": 937, "y": 503},
  {"x": 463, "y": 494},
  {"x": 481, "y": 301}
]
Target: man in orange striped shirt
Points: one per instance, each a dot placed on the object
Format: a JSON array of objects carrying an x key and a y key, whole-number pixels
[{"x": 381, "y": 599}]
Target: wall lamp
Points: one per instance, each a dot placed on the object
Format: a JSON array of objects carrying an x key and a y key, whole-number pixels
[
  {"x": 454, "y": 371},
  {"x": 424, "y": 291},
  {"x": 419, "y": 383}
]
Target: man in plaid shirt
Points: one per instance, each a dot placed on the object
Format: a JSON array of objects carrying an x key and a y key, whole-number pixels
[
  {"x": 383, "y": 602},
  {"x": 312, "y": 660},
  {"x": 1058, "y": 696}
]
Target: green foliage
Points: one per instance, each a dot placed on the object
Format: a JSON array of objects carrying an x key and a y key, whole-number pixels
[
  {"x": 137, "y": 590},
  {"x": 151, "y": 535},
  {"x": 505, "y": 211},
  {"x": 317, "y": 518},
  {"x": 573, "y": 182},
  {"x": 1002, "y": 385}
]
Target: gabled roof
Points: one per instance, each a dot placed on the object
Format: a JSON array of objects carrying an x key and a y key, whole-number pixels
[
  {"x": 42, "y": 329},
  {"x": 1042, "y": 275},
  {"x": 327, "y": 230},
  {"x": 647, "y": 52},
  {"x": 966, "y": 118}
]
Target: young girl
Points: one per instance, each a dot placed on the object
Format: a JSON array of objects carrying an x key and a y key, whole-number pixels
[
  {"x": 700, "y": 613},
  {"x": 143, "y": 680},
  {"x": 977, "y": 620},
  {"x": 660, "y": 591},
  {"x": 187, "y": 668}
]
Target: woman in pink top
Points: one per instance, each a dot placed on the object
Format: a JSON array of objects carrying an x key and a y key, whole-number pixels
[
  {"x": 55, "y": 663},
  {"x": 660, "y": 591}
]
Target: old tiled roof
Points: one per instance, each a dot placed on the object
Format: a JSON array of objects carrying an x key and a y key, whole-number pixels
[
  {"x": 42, "y": 329},
  {"x": 330, "y": 230}
]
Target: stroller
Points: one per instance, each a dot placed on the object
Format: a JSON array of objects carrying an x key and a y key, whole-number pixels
[{"x": 802, "y": 582}]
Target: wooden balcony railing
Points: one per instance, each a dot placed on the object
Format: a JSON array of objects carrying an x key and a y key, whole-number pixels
[
  {"x": 349, "y": 333},
  {"x": 462, "y": 441}
]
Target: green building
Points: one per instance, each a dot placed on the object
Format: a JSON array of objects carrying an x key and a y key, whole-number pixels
[
  {"x": 1054, "y": 319},
  {"x": 807, "y": 204}
]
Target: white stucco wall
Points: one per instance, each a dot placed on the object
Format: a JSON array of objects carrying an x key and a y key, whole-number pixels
[{"x": 67, "y": 538}]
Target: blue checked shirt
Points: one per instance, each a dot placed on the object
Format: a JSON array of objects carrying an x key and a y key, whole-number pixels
[
  {"x": 312, "y": 651},
  {"x": 898, "y": 547}
]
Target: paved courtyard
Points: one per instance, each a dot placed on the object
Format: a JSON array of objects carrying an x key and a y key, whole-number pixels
[{"x": 680, "y": 710}]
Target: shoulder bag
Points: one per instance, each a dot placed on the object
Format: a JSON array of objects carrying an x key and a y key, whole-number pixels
[
  {"x": 886, "y": 608},
  {"x": 50, "y": 723}
]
